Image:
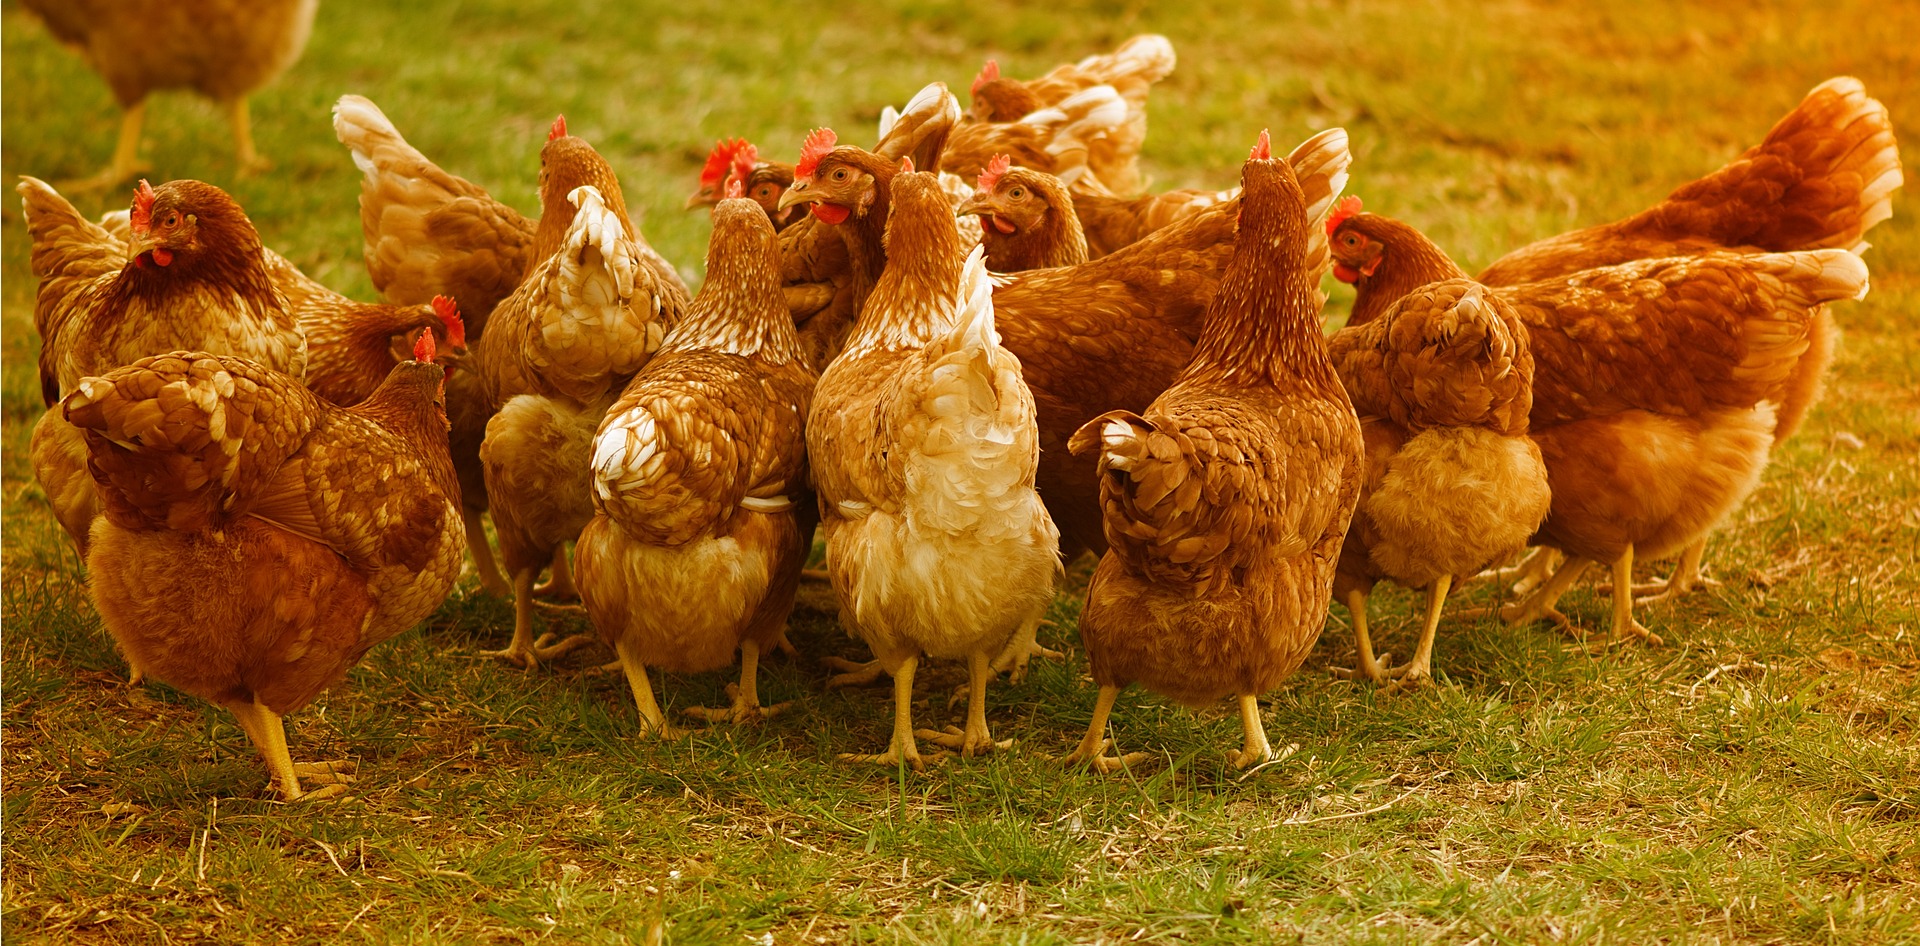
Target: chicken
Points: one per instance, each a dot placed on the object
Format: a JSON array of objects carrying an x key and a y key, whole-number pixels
[
  {"x": 1059, "y": 140},
  {"x": 922, "y": 441},
  {"x": 764, "y": 182},
  {"x": 715, "y": 173},
  {"x": 1823, "y": 176},
  {"x": 1131, "y": 70},
  {"x": 1031, "y": 221},
  {"x": 429, "y": 233},
  {"x": 1452, "y": 483},
  {"x": 257, "y": 540},
  {"x": 1656, "y": 388},
  {"x": 591, "y": 312},
  {"x": 222, "y": 49},
  {"x": 1226, "y": 501},
  {"x": 696, "y": 544},
  {"x": 1115, "y": 332},
  {"x": 193, "y": 278}
]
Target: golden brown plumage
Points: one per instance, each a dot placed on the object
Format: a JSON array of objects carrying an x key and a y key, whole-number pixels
[
  {"x": 1027, "y": 218},
  {"x": 222, "y": 49},
  {"x": 696, "y": 544},
  {"x": 1058, "y": 139},
  {"x": 1225, "y": 502},
  {"x": 257, "y": 540},
  {"x": 922, "y": 442},
  {"x": 1131, "y": 70},
  {"x": 592, "y": 310},
  {"x": 1656, "y": 386},
  {"x": 1442, "y": 383},
  {"x": 1114, "y": 333},
  {"x": 103, "y": 303}
]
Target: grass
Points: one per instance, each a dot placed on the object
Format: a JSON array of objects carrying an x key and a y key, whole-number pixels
[{"x": 1756, "y": 780}]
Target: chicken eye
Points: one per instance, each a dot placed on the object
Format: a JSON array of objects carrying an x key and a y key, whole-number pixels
[
  {"x": 1018, "y": 193},
  {"x": 839, "y": 174},
  {"x": 1350, "y": 240},
  {"x": 171, "y": 220},
  {"x": 764, "y": 190}
]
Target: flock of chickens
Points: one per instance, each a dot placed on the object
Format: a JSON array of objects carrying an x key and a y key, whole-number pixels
[{"x": 980, "y": 351}]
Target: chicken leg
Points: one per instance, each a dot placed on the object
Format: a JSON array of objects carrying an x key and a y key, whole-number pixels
[
  {"x": 901, "y": 746},
  {"x": 652, "y": 721},
  {"x": 1255, "y": 748},
  {"x": 491, "y": 581},
  {"x": 1094, "y": 745},
  {"x": 1024, "y": 647},
  {"x": 1371, "y": 667},
  {"x": 559, "y": 583},
  {"x": 125, "y": 162},
  {"x": 1540, "y": 604},
  {"x": 1686, "y": 574},
  {"x": 265, "y": 731},
  {"x": 524, "y": 650},
  {"x": 976, "y": 739},
  {"x": 241, "y": 121},
  {"x": 746, "y": 694},
  {"x": 1624, "y": 625},
  {"x": 1409, "y": 675}
]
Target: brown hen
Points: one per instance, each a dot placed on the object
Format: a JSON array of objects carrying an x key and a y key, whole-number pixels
[
  {"x": 257, "y": 541},
  {"x": 1225, "y": 502}
]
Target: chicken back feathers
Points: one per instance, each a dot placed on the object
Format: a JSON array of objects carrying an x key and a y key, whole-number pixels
[
  {"x": 923, "y": 442},
  {"x": 1226, "y": 500},
  {"x": 696, "y": 470}
]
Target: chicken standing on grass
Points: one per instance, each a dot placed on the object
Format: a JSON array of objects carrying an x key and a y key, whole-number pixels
[
  {"x": 1656, "y": 391},
  {"x": 923, "y": 444},
  {"x": 1442, "y": 382},
  {"x": 257, "y": 540},
  {"x": 695, "y": 547},
  {"x": 190, "y": 277},
  {"x": 593, "y": 309},
  {"x": 222, "y": 49},
  {"x": 1225, "y": 503}
]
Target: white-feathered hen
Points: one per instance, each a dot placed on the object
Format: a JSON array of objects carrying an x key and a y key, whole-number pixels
[{"x": 924, "y": 443}]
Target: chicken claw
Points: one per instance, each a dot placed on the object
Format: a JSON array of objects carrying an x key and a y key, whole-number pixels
[
  {"x": 746, "y": 706},
  {"x": 1100, "y": 761},
  {"x": 1255, "y": 748},
  {"x": 1369, "y": 667},
  {"x": 901, "y": 746},
  {"x": 967, "y": 744},
  {"x": 855, "y": 674}
]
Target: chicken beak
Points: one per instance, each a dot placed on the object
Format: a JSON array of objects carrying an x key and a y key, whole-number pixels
[
  {"x": 799, "y": 193},
  {"x": 977, "y": 204},
  {"x": 137, "y": 243},
  {"x": 700, "y": 198}
]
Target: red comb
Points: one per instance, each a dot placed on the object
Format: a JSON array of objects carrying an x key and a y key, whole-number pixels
[
  {"x": 450, "y": 318},
  {"x": 140, "y": 216},
  {"x": 996, "y": 169},
  {"x": 1347, "y": 207},
  {"x": 816, "y": 147},
  {"x": 423, "y": 349},
  {"x": 988, "y": 73},
  {"x": 906, "y": 164},
  {"x": 718, "y": 159},
  {"x": 736, "y": 188},
  {"x": 559, "y": 129},
  {"x": 1262, "y": 149},
  {"x": 744, "y": 159}
]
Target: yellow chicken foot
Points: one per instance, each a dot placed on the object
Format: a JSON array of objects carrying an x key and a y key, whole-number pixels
[
  {"x": 853, "y": 673},
  {"x": 1024, "y": 647},
  {"x": 249, "y": 160},
  {"x": 1537, "y": 567},
  {"x": 491, "y": 581},
  {"x": 1540, "y": 604},
  {"x": 652, "y": 721},
  {"x": 1686, "y": 575},
  {"x": 1093, "y": 747},
  {"x": 1370, "y": 667},
  {"x": 559, "y": 583},
  {"x": 524, "y": 650},
  {"x": 1255, "y": 748},
  {"x": 265, "y": 731},
  {"x": 1624, "y": 625},
  {"x": 901, "y": 746},
  {"x": 1410, "y": 675},
  {"x": 125, "y": 162},
  {"x": 976, "y": 739},
  {"x": 746, "y": 694}
]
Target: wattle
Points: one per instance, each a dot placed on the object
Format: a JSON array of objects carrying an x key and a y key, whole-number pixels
[
  {"x": 1345, "y": 273},
  {"x": 831, "y": 213},
  {"x": 162, "y": 257},
  {"x": 999, "y": 224}
]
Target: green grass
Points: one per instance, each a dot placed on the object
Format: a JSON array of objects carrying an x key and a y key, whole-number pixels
[{"x": 1756, "y": 780}]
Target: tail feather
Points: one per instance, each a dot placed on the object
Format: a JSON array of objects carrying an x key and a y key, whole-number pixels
[
  {"x": 70, "y": 253},
  {"x": 1074, "y": 126},
  {"x": 1320, "y": 163},
  {"x": 920, "y": 130},
  {"x": 1134, "y": 67}
]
